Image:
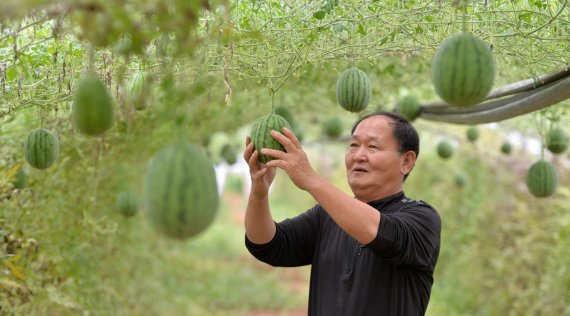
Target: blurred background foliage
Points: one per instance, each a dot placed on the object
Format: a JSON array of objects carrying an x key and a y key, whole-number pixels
[{"x": 214, "y": 67}]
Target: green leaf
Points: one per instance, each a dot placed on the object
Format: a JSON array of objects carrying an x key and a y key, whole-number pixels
[
  {"x": 319, "y": 15},
  {"x": 361, "y": 29}
]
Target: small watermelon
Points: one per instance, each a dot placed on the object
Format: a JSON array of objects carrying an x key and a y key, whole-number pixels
[
  {"x": 409, "y": 107},
  {"x": 261, "y": 134},
  {"x": 557, "y": 141},
  {"x": 229, "y": 154},
  {"x": 460, "y": 179},
  {"x": 41, "y": 148},
  {"x": 506, "y": 148},
  {"x": 444, "y": 149},
  {"x": 463, "y": 70},
  {"x": 92, "y": 109},
  {"x": 20, "y": 180},
  {"x": 332, "y": 127},
  {"x": 128, "y": 203},
  {"x": 180, "y": 191},
  {"x": 138, "y": 91},
  {"x": 353, "y": 90},
  {"x": 472, "y": 134},
  {"x": 542, "y": 179}
]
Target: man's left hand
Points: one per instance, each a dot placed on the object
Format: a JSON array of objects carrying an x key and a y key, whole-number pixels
[{"x": 294, "y": 161}]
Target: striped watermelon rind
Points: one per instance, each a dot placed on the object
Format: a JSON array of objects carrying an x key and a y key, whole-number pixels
[
  {"x": 41, "y": 148},
  {"x": 138, "y": 91},
  {"x": 261, "y": 134},
  {"x": 542, "y": 179},
  {"x": 92, "y": 109},
  {"x": 180, "y": 191},
  {"x": 463, "y": 70},
  {"x": 128, "y": 203},
  {"x": 557, "y": 141},
  {"x": 353, "y": 90}
]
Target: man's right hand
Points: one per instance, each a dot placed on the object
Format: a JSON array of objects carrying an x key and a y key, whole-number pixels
[{"x": 261, "y": 175}]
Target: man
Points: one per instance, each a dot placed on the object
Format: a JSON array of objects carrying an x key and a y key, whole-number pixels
[{"x": 371, "y": 254}]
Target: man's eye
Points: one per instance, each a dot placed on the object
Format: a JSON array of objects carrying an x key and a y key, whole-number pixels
[
  {"x": 373, "y": 147},
  {"x": 353, "y": 145}
]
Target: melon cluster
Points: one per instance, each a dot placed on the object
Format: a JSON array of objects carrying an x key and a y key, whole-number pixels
[
  {"x": 463, "y": 70},
  {"x": 41, "y": 148},
  {"x": 92, "y": 108},
  {"x": 353, "y": 90},
  {"x": 261, "y": 134}
]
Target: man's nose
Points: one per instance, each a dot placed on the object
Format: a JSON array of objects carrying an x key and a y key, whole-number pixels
[{"x": 360, "y": 154}]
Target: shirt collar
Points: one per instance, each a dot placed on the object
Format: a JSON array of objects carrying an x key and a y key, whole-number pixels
[{"x": 385, "y": 201}]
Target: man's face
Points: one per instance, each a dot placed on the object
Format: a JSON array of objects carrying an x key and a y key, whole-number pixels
[{"x": 374, "y": 166}]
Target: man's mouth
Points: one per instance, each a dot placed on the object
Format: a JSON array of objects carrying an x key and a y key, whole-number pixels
[{"x": 359, "y": 169}]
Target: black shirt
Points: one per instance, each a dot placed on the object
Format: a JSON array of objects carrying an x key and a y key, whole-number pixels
[{"x": 392, "y": 275}]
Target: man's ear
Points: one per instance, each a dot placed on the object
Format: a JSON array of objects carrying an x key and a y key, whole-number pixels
[{"x": 408, "y": 162}]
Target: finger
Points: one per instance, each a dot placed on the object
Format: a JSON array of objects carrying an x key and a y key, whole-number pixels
[
  {"x": 286, "y": 142},
  {"x": 252, "y": 162},
  {"x": 248, "y": 151},
  {"x": 278, "y": 154},
  {"x": 281, "y": 164},
  {"x": 259, "y": 174},
  {"x": 247, "y": 140},
  {"x": 291, "y": 136}
]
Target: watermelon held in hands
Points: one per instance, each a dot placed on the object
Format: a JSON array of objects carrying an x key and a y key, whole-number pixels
[
  {"x": 92, "y": 109},
  {"x": 409, "y": 107},
  {"x": 463, "y": 70},
  {"x": 557, "y": 141},
  {"x": 445, "y": 150},
  {"x": 542, "y": 179},
  {"x": 180, "y": 191},
  {"x": 41, "y": 148},
  {"x": 353, "y": 90},
  {"x": 128, "y": 203},
  {"x": 261, "y": 134}
]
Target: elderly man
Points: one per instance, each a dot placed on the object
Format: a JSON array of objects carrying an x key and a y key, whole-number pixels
[{"x": 373, "y": 253}]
